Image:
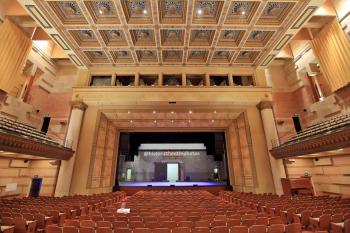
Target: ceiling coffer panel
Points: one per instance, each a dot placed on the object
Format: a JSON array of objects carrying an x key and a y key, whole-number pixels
[{"x": 187, "y": 32}]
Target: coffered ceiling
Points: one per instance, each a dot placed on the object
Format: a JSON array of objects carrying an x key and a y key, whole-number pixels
[{"x": 171, "y": 32}]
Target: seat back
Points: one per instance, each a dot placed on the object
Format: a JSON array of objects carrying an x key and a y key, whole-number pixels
[
  {"x": 239, "y": 229},
  {"x": 293, "y": 228},
  {"x": 257, "y": 229},
  {"x": 201, "y": 230},
  {"x": 53, "y": 229},
  {"x": 220, "y": 229},
  {"x": 161, "y": 230},
  {"x": 70, "y": 229},
  {"x": 276, "y": 228},
  {"x": 181, "y": 230},
  {"x": 104, "y": 230},
  {"x": 325, "y": 221}
]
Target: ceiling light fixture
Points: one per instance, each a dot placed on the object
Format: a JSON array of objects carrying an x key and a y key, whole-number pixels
[
  {"x": 172, "y": 112},
  {"x": 155, "y": 121},
  {"x": 129, "y": 112},
  {"x": 243, "y": 12},
  {"x": 144, "y": 12},
  {"x": 131, "y": 121},
  {"x": 214, "y": 112},
  {"x": 199, "y": 11},
  {"x": 154, "y": 112},
  {"x": 190, "y": 112},
  {"x": 101, "y": 12},
  {"x": 212, "y": 121}
]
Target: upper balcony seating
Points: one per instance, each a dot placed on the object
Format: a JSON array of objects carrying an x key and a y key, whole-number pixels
[
  {"x": 324, "y": 127},
  {"x": 25, "y": 131}
]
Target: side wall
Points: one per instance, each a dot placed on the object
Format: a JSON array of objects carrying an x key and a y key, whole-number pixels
[
  {"x": 330, "y": 175},
  {"x": 14, "y": 171}
]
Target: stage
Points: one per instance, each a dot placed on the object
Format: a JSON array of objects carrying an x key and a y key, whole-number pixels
[{"x": 133, "y": 187}]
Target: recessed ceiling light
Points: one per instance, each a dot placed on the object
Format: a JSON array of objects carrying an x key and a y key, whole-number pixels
[
  {"x": 155, "y": 121},
  {"x": 243, "y": 12},
  {"x": 101, "y": 12},
  {"x": 154, "y": 112},
  {"x": 214, "y": 112},
  {"x": 172, "y": 121},
  {"x": 144, "y": 12},
  {"x": 189, "y": 121},
  {"x": 131, "y": 121},
  {"x": 129, "y": 112},
  {"x": 212, "y": 121},
  {"x": 199, "y": 11},
  {"x": 190, "y": 112},
  {"x": 172, "y": 112}
]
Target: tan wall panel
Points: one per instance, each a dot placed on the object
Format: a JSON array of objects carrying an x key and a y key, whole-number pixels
[
  {"x": 332, "y": 178},
  {"x": 22, "y": 176},
  {"x": 9, "y": 172},
  {"x": 263, "y": 173},
  {"x": 340, "y": 160},
  {"x": 83, "y": 153}
]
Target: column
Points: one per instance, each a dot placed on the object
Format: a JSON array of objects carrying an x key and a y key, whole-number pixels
[
  {"x": 137, "y": 79},
  {"x": 230, "y": 78},
  {"x": 113, "y": 81},
  {"x": 271, "y": 135},
  {"x": 72, "y": 138},
  {"x": 207, "y": 80},
  {"x": 160, "y": 79},
  {"x": 184, "y": 83}
]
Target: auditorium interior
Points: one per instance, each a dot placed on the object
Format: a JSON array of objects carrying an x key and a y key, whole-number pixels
[{"x": 175, "y": 116}]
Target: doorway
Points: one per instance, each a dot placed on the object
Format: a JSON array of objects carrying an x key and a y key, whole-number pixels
[{"x": 172, "y": 172}]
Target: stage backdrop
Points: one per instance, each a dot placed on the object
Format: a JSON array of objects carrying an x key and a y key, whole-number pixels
[{"x": 194, "y": 165}]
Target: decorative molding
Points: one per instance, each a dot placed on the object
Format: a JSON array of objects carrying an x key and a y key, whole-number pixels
[
  {"x": 78, "y": 104},
  {"x": 325, "y": 142},
  {"x": 38, "y": 16},
  {"x": 265, "y": 104},
  {"x": 18, "y": 144}
]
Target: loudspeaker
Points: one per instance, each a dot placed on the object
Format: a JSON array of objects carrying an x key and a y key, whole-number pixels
[
  {"x": 45, "y": 125},
  {"x": 219, "y": 146},
  {"x": 124, "y": 143},
  {"x": 297, "y": 123}
]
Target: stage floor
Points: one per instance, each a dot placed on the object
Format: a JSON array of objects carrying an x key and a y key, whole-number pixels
[{"x": 167, "y": 184}]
